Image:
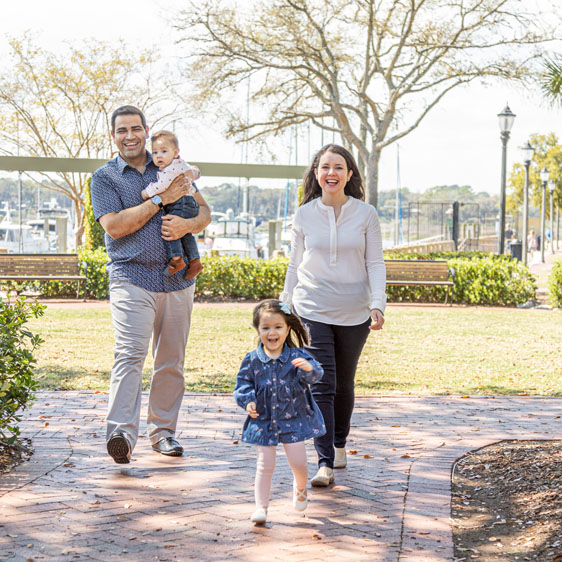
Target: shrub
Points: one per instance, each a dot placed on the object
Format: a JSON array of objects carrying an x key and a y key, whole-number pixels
[
  {"x": 93, "y": 231},
  {"x": 17, "y": 344},
  {"x": 241, "y": 277},
  {"x": 492, "y": 281},
  {"x": 555, "y": 285},
  {"x": 480, "y": 279}
]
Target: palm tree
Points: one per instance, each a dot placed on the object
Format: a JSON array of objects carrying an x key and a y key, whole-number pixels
[{"x": 551, "y": 80}]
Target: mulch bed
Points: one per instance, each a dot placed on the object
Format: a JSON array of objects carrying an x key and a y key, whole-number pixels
[
  {"x": 12, "y": 455},
  {"x": 507, "y": 503}
]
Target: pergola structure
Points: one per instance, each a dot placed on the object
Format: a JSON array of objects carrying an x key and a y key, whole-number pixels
[{"x": 85, "y": 165}]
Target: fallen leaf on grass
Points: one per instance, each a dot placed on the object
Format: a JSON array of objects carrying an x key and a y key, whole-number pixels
[
  {"x": 352, "y": 452},
  {"x": 367, "y": 456}
]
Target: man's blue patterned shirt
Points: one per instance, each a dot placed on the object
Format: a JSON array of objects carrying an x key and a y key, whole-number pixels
[{"x": 139, "y": 258}]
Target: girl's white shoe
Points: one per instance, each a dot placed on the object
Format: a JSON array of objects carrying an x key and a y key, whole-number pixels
[
  {"x": 300, "y": 498},
  {"x": 340, "y": 458},
  {"x": 259, "y": 517}
]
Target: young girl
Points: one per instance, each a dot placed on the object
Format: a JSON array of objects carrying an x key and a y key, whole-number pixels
[{"x": 272, "y": 386}]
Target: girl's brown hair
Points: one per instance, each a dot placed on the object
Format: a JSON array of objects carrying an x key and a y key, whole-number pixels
[
  {"x": 354, "y": 187},
  {"x": 297, "y": 329}
]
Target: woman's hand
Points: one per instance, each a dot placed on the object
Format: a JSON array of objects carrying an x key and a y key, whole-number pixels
[
  {"x": 378, "y": 319},
  {"x": 251, "y": 409},
  {"x": 302, "y": 363}
]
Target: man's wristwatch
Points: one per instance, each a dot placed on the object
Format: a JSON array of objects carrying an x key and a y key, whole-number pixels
[{"x": 157, "y": 200}]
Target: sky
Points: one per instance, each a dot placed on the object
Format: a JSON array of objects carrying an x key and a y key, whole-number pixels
[{"x": 457, "y": 143}]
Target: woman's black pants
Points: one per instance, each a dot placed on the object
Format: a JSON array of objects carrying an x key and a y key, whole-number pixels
[{"x": 338, "y": 349}]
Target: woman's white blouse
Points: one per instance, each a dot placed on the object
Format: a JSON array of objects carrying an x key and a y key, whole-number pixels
[{"x": 336, "y": 273}]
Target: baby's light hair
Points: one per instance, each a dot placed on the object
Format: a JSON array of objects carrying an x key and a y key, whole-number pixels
[
  {"x": 296, "y": 327},
  {"x": 166, "y": 135}
]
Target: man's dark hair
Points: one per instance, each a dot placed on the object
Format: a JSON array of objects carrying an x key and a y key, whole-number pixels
[{"x": 127, "y": 110}]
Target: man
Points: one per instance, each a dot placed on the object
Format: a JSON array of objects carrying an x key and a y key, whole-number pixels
[{"x": 145, "y": 303}]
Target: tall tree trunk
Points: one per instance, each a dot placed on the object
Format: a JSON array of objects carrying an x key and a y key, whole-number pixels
[{"x": 372, "y": 177}]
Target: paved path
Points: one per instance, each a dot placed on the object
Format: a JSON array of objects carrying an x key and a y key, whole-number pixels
[{"x": 71, "y": 502}]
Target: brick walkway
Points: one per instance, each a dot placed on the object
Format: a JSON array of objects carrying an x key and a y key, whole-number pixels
[{"x": 71, "y": 502}]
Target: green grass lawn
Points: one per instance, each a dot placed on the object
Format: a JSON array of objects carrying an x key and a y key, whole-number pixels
[{"x": 420, "y": 351}]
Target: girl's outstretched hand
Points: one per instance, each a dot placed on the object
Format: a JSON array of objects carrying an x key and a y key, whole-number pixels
[
  {"x": 251, "y": 409},
  {"x": 302, "y": 363}
]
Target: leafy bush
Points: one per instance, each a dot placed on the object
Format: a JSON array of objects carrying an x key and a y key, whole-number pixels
[
  {"x": 93, "y": 231},
  {"x": 17, "y": 344},
  {"x": 555, "y": 285},
  {"x": 492, "y": 281},
  {"x": 241, "y": 277},
  {"x": 98, "y": 277},
  {"x": 481, "y": 278}
]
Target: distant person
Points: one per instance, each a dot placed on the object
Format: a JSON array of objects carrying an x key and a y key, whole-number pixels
[
  {"x": 532, "y": 244},
  {"x": 336, "y": 282},
  {"x": 272, "y": 386},
  {"x": 165, "y": 154},
  {"x": 508, "y": 236},
  {"x": 145, "y": 303}
]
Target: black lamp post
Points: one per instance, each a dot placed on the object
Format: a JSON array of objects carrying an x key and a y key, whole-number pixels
[
  {"x": 527, "y": 153},
  {"x": 506, "y": 118},
  {"x": 551, "y": 186},
  {"x": 544, "y": 178}
]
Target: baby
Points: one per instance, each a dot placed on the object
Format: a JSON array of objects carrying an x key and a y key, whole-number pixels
[{"x": 165, "y": 154}]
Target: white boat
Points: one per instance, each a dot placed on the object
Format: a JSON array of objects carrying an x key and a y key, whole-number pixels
[
  {"x": 234, "y": 236},
  {"x": 16, "y": 239},
  {"x": 49, "y": 214}
]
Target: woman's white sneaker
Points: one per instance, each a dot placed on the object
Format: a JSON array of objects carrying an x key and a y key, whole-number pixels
[
  {"x": 340, "y": 458},
  {"x": 324, "y": 477},
  {"x": 259, "y": 517}
]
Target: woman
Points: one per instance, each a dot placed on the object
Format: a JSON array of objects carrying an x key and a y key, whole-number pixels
[{"x": 336, "y": 283}]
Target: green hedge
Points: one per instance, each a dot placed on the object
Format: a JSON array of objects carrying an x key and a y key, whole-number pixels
[
  {"x": 93, "y": 231},
  {"x": 555, "y": 285},
  {"x": 237, "y": 277},
  {"x": 492, "y": 281},
  {"x": 481, "y": 278}
]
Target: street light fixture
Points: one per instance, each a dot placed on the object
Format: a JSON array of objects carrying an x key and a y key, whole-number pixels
[
  {"x": 506, "y": 118},
  {"x": 551, "y": 185},
  {"x": 527, "y": 152},
  {"x": 544, "y": 178}
]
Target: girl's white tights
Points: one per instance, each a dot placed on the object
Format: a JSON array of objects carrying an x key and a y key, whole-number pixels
[{"x": 296, "y": 456}]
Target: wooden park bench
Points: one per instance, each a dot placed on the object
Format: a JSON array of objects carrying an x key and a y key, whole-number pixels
[
  {"x": 43, "y": 267},
  {"x": 428, "y": 273}
]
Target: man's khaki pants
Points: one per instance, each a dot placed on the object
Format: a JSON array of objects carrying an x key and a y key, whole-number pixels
[{"x": 138, "y": 315}]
